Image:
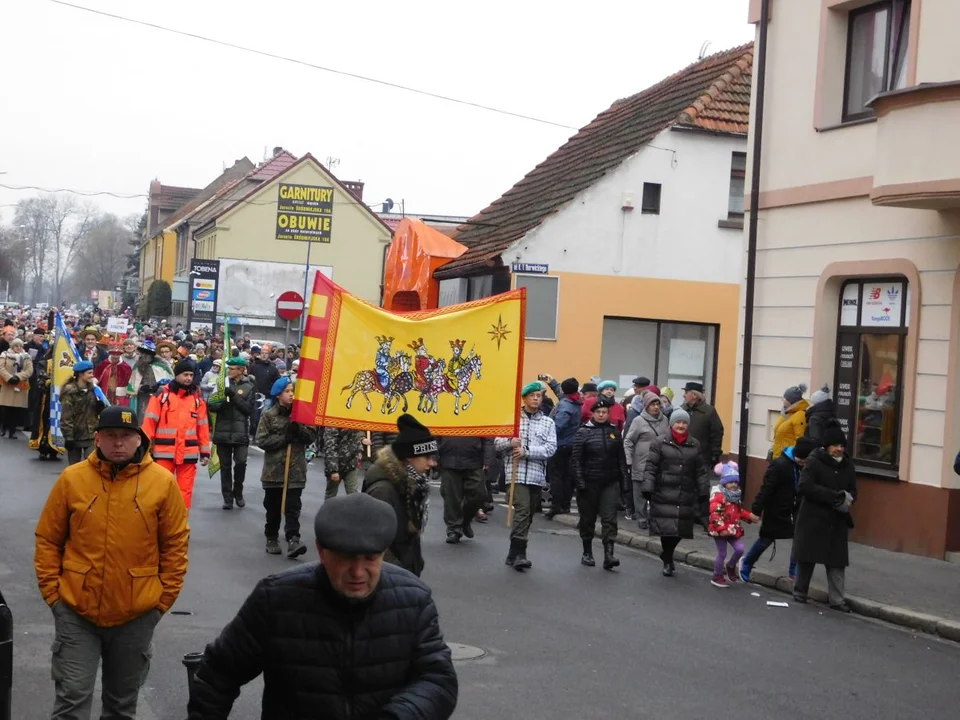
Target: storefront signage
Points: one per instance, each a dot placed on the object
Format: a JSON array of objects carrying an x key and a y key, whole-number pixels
[
  {"x": 202, "y": 308},
  {"x": 850, "y": 304},
  {"x": 530, "y": 268},
  {"x": 847, "y": 346},
  {"x": 304, "y": 213},
  {"x": 881, "y": 304}
]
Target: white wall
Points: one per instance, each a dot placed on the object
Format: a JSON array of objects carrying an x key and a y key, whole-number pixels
[{"x": 591, "y": 234}]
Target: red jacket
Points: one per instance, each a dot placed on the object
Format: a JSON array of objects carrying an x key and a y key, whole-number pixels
[
  {"x": 618, "y": 416},
  {"x": 116, "y": 391},
  {"x": 726, "y": 517},
  {"x": 176, "y": 423}
]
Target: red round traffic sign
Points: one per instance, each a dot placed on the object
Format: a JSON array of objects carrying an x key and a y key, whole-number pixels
[{"x": 290, "y": 305}]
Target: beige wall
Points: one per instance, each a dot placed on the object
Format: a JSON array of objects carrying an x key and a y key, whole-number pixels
[
  {"x": 938, "y": 50},
  {"x": 918, "y": 143},
  {"x": 355, "y": 251}
]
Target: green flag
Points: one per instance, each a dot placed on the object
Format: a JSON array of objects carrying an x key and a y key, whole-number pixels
[{"x": 218, "y": 394}]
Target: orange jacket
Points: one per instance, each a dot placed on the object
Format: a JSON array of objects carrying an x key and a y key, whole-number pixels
[
  {"x": 176, "y": 423},
  {"x": 112, "y": 549}
]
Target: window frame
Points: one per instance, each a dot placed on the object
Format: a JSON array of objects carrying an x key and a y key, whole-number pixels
[
  {"x": 556, "y": 320},
  {"x": 888, "y": 67},
  {"x": 737, "y": 174},
  {"x": 649, "y": 210},
  {"x": 889, "y": 470}
]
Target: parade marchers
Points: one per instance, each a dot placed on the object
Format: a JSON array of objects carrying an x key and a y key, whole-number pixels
[{"x": 644, "y": 457}]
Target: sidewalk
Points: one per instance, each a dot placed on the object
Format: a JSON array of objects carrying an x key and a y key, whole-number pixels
[{"x": 916, "y": 592}]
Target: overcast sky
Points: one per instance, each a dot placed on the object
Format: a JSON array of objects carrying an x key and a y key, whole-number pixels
[{"x": 92, "y": 103}]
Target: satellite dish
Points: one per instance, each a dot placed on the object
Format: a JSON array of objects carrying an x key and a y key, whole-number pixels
[{"x": 387, "y": 205}]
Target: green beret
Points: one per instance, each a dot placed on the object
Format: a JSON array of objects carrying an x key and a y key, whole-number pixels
[
  {"x": 237, "y": 361},
  {"x": 534, "y": 386},
  {"x": 607, "y": 384}
]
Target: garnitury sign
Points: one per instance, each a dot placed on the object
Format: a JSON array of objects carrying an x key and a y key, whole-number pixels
[{"x": 304, "y": 212}]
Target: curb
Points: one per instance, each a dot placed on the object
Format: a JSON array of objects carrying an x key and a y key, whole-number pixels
[{"x": 904, "y": 617}]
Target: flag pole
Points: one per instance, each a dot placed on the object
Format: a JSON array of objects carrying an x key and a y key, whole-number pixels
[
  {"x": 286, "y": 482},
  {"x": 513, "y": 487}
]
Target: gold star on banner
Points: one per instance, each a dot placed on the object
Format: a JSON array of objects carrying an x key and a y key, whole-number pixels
[{"x": 499, "y": 331}]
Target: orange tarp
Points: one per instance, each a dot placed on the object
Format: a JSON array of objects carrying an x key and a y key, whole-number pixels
[{"x": 415, "y": 252}]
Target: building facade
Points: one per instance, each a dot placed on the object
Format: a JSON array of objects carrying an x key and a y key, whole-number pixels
[
  {"x": 628, "y": 239},
  {"x": 858, "y": 248}
]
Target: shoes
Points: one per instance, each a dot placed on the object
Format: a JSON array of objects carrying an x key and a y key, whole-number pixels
[
  {"x": 629, "y": 516},
  {"x": 453, "y": 538},
  {"x": 719, "y": 581},
  {"x": 732, "y": 574},
  {"x": 521, "y": 563},
  {"x": 587, "y": 558},
  {"x": 513, "y": 552},
  {"x": 238, "y": 498},
  {"x": 842, "y": 607},
  {"x": 481, "y": 516},
  {"x": 488, "y": 507},
  {"x": 745, "y": 571},
  {"x": 273, "y": 546},
  {"x": 227, "y": 502},
  {"x": 467, "y": 529},
  {"x": 668, "y": 569},
  {"x": 552, "y": 513},
  {"x": 799, "y": 598},
  {"x": 295, "y": 548},
  {"x": 609, "y": 561}
]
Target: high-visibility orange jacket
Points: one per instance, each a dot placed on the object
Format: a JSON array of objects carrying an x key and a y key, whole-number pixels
[
  {"x": 176, "y": 423},
  {"x": 112, "y": 546}
]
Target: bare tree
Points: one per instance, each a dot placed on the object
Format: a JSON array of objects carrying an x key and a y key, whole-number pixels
[
  {"x": 30, "y": 223},
  {"x": 70, "y": 224},
  {"x": 101, "y": 261}
]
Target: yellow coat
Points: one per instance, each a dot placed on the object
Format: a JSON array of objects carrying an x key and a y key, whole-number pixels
[
  {"x": 112, "y": 549},
  {"x": 790, "y": 427}
]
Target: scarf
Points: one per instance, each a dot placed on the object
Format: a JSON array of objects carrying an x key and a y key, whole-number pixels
[
  {"x": 732, "y": 496},
  {"x": 418, "y": 498},
  {"x": 679, "y": 438}
]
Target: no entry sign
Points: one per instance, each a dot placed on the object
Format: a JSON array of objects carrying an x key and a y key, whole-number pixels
[{"x": 290, "y": 305}]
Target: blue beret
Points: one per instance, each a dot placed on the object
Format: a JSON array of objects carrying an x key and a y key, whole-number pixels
[
  {"x": 279, "y": 386},
  {"x": 607, "y": 384},
  {"x": 82, "y": 366}
]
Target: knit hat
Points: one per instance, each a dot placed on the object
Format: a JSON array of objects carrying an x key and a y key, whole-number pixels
[
  {"x": 589, "y": 387},
  {"x": 654, "y": 389},
  {"x": 281, "y": 365},
  {"x": 648, "y": 398},
  {"x": 82, "y": 366},
  {"x": 833, "y": 435},
  {"x": 414, "y": 438},
  {"x": 603, "y": 402},
  {"x": 803, "y": 448},
  {"x": 677, "y": 415},
  {"x": 729, "y": 472},
  {"x": 255, "y": 349},
  {"x": 236, "y": 362},
  {"x": 667, "y": 392},
  {"x": 820, "y": 395},
  {"x": 569, "y": 386},
  {"x": 530, "y": 387},
  {"x": 606, "y": 384},
  {"x": 185, "y": 365},
  {"x": 279, "y": 386},
  {"x": 794, "y": 394}
]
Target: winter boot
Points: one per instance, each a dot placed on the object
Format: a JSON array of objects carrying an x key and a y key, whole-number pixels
[
  {"x": 512, "y": 553},
  {"x": 587, "y": 558},
  {"x": 521, "y": 563},
  {"x": 239, "y": 474},
  {"x": 467, "y": 528},
  {"x": 273, "y": 546},
  {"x": 609, "y": 561},
  {"x": 238, "y": 497},
  {"x": 227, "y": 491},
  {"x": 227, "y": 501},
  {"x": 295, "y": 548}
]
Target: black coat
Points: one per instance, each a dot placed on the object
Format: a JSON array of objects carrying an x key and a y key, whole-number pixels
[
  {"x": 387, "y": 480},
  {"x": 821, "y": 416},
  {"x": 777, "y": 500},
  {"x": 706, "y": 428},
  {"x": 598, "y": 457},
  {"x": 676, "y": 480},
  {"x": 321, "y": 656},
  {"x": 821, "y": 532},
  {"x": 265, "y": 374},
  {"x": 233, "y": 413},
  {"x": 465, "y": 453}
]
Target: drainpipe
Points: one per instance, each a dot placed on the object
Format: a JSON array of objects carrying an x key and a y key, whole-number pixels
[{"x": 760, "y": 65}]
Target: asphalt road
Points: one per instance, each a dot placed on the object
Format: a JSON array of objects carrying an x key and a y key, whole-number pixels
[{"x": 561, "y": 640}]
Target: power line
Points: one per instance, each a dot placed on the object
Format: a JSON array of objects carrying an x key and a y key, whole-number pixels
[{"x": 284, "y": 58}]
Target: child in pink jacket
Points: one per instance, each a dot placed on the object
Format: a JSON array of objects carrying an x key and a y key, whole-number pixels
[{"x": 726, "y": 518}]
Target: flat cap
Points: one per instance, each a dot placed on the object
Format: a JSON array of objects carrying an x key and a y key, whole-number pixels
[{"x": 355, "y": 524}]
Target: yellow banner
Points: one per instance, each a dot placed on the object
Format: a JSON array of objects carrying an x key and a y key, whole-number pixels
[{"x": 457, "y": 369}]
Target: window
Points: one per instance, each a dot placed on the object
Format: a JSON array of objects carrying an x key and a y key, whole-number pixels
[
  {"x": 877, "y": 38},
  {"x": 651, "y": 199},
  {"x": 738, "y": 171},
  {"x": 869, "y": 368},
  {"x": 543, "y": 295}
]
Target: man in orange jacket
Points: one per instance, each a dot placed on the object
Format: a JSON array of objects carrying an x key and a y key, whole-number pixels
[
  {"x": 176, "y": 424},
  {"x": 111, "y": 555}
]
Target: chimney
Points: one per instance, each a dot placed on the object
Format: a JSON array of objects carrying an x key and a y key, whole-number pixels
[
  {"x": 355, "y": 187},
  {"x": 277, "y": 150},
  {"x": 155, "y": 187}
]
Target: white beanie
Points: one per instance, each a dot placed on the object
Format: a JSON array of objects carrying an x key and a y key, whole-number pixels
[{"x": 820, "y": 395}]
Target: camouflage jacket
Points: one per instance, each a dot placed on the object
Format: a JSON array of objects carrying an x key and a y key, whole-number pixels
[
  {"x": 274, "y": 433},
  {"x": 342, "y": 450},
  {"x": 79, "y": 412}
]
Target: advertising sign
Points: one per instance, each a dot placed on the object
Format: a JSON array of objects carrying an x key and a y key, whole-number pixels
[
  {"x": 202, "y": 308},
  {"x": 882, "y": 304},
  {"x": 530, "y": 268},
  {"x": 304, "y": 212}
]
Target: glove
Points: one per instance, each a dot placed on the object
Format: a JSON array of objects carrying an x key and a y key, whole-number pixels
[
  {"x": 13, "y": 381},
  {"x": 230, "y": 391},
  {"x": 293, "y": 432},
  {"x": 69, "y": 445}
]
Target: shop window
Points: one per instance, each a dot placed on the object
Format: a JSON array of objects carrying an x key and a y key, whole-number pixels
[
  {"x": 738, "y": 171},
  {"x": 650, "y": 204},
  {"x": 876, "y": 58},
  {"x": 868, "y": 377},
  {"x": 543, "y": 296}
]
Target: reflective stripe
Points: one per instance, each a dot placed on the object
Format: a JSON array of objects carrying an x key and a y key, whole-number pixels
[
  {"x": 205, "y": 449},
  {"x": 151, "y": 416},
  {"x": 160, "y": 455},
  {"x": 189, "y": 432},
  {"x": 166, "y": 431},
  {"x": 201, "y": 422}
]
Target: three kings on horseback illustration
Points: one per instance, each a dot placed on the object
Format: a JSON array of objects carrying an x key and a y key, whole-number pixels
[{"x": 397, "y": 373}]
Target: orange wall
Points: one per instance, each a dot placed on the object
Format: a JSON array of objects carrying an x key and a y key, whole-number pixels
[{"x": 586, "y": 299}]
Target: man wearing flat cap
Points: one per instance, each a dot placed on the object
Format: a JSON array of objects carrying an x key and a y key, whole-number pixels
[
  {"x": 350, "y": 637},
  {"x": 399, "y": 477}
]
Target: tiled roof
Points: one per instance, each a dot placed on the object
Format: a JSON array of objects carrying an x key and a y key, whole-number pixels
[
  {"x": 712, "y": 94},
  {"x": 234, "y": 192},
  {"x": 173, "y": 197},
  {"x": 241, "y": 167}
]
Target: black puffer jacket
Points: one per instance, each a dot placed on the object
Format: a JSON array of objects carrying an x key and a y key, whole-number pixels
[
  {"x": 777, "y": 500},
  {"x": 324, "y": 657},
  {"x": 465, "y": 453},
  {"x": 821, "y": 532},
  {"x": 265, "y": 374},
  {"x": 388, "y": 480},
  {"x": 598, "y": 457},
  {"x": 233, "y": 413},
  {"x": 677, "y": 483},
  {"x": 821, "y": 416}
]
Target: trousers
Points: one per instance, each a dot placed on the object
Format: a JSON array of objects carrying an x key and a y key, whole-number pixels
[
  {"x": 641, "y": 506},
  {"x": 720, "y": 561},
  {"x": 560, "y": 473},
  {"x": 525, "y": 500},
  {"x": 350, "y": 481},
  {"x": 272, "y": 501},
  {"x": 668, "y": 544},
  {"x": 232, "y": 457},
  {"x": 760, "y": 546},
  {"x": 79, "y": 646},
  {"x": 600, "y": 500},
  {"x": 463, "y": 493},
  {"x": 836, "y": 579},
  {"x": 76, "y": 454},
  {"x": 186, "y": 474}
]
